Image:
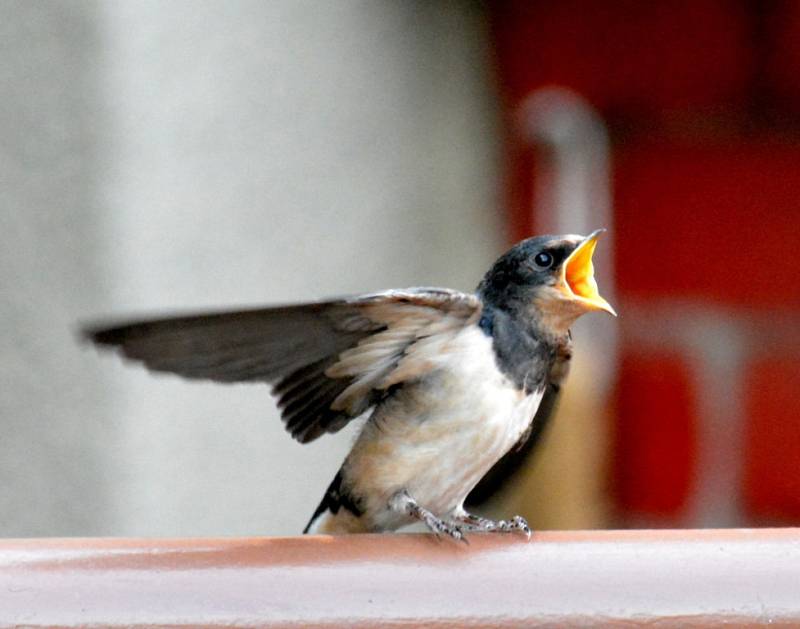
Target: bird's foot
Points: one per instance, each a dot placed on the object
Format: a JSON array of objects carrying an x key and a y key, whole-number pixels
[
  {"x": 476, "y": 523},
  {"x": 404, "y": 503}
]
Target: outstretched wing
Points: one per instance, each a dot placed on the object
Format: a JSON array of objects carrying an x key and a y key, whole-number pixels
[{"x": 328, "y": 362}]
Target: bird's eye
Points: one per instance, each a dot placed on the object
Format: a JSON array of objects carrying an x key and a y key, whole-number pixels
[{"x": 543, "y": 260}]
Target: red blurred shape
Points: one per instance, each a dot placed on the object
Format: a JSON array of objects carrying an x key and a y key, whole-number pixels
[
  {"x": 772, "y": 443},
  {"x": 655, "y": 446},
  {"x": 627, "y": 56},
  {"x": 783, "y": 55},
  {"x": 712, "y": 222}
]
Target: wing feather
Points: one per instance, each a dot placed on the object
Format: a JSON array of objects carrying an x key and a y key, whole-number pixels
[{"x": 327, "y": 362}]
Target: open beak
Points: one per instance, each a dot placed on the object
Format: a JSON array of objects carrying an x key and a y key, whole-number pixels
[{"x": 577, "y": 276}]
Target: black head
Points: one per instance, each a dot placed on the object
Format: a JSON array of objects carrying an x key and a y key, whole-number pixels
[{"x": 549, "y": 278}]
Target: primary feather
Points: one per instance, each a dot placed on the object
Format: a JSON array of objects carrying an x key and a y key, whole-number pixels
[{"x": 328, "y": 362}]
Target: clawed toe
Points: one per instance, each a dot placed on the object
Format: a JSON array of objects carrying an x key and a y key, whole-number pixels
[
  {"x": 441, "y": 527},
  {"x": 477, "y": 523},
  {"x": 403, "y": 502},
  {"x": 518, "y": 523}
]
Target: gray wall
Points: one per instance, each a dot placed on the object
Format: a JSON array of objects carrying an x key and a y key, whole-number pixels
[{"x": 183, "y": 155}]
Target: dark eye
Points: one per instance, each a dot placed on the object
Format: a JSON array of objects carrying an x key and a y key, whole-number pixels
[{"x": 543, "y": 260}]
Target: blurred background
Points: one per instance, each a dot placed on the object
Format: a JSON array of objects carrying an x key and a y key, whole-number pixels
[{"x": 158, "y": 157}]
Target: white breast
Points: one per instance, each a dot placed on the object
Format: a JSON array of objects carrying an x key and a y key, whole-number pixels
[{"x": 472, "y": 416}]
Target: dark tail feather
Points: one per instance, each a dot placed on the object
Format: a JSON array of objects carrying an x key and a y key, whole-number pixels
[
  {"x": 322, "y": 508},
  {"x": 337, "y": 497}
]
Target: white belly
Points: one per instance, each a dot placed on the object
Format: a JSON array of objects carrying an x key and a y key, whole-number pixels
[{"x": 472, "y": 416}]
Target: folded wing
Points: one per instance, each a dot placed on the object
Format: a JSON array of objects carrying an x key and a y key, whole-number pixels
[{"x": 327, "y": 362}]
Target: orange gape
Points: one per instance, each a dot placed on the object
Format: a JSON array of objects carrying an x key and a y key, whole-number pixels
[{"x": 578, "y": 276}]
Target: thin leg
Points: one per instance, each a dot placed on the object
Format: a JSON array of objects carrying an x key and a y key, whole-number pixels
[{"x": 402, "y": 502}]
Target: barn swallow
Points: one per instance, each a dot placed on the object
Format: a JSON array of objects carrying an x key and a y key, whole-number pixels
[{"x": 449, "y": 381}]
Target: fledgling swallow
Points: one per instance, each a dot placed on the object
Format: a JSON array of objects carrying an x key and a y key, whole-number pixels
[{"x": 450, "y": 381}]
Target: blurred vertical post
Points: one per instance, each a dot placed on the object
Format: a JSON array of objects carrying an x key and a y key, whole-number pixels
[{"x": 565, "y": 488}]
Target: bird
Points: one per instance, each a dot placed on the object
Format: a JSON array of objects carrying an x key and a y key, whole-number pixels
[{"x": 450, "y": 382}]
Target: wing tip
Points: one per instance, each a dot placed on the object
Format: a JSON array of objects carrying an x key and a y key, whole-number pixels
[{"x": 102, "y": 334}]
